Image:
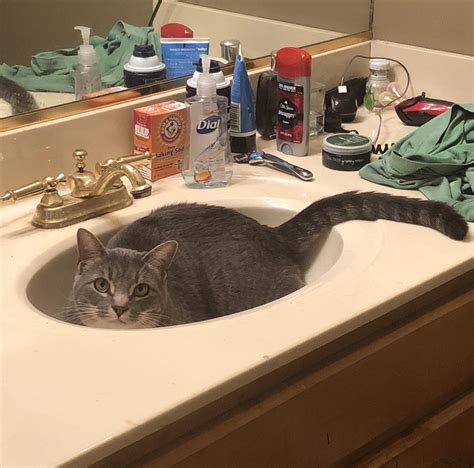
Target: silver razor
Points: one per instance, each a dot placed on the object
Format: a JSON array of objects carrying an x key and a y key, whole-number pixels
[{"x": 260, "y": 158}]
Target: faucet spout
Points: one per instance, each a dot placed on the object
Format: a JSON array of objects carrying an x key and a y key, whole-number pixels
[{"x": 111, "y": 177}]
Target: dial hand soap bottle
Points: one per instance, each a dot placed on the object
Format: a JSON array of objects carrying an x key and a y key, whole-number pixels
[{"x": 208, "y": 162}]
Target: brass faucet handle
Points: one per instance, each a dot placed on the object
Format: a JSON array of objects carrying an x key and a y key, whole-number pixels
[
  {"x": 53, "y": 182},
  {"x": 51, "y": 197},
  {"x": 48, "y": 183},
  {"x": 114, "y": 163},
  {"x": 80, "y": 155},
  {"x": 136, "y": 157},
  {"x": 81, "y": 182}
]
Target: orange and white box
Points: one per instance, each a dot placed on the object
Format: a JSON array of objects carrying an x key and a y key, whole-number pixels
[{"x": 162, "y": 129}]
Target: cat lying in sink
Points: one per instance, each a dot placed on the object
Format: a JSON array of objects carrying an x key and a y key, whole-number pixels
[{"x": 188, "y": 262}]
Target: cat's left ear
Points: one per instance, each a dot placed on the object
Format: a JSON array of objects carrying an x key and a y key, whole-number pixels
[
  {"x": 162, "y": 255},
  {"x": 88, "y": 247}
]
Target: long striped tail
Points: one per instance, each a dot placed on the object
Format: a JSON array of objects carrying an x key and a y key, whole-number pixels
[{"x": 369, "y": 206}]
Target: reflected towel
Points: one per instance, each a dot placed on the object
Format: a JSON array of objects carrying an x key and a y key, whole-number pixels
[
  {"x": 54, "y": 71},
  {"x": 437, "y": 159}
]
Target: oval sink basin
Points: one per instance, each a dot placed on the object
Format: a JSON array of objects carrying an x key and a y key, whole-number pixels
[{"x": 50, "y": 285}]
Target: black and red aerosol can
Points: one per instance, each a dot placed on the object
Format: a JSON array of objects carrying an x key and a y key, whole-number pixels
[{"x": 293, "y": 67}]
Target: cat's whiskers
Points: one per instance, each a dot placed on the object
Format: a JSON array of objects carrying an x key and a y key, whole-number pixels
[
  {"x": 83, "y": 317},
  {"x": 171, "y": 319},
  {"x": 144, "y": 320},
  {"x": 82, "y": 313},
  {"x": 150, "y": 320},
  {"x": 78, "y": 303},
  {"x": 84, "y": 309},
  {"x": 145, "y": 323}
]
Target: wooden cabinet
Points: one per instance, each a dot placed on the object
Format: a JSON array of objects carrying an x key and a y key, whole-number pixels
[
  {"x": 394, "y": 393},
  {"x": 445, "y": 439}
]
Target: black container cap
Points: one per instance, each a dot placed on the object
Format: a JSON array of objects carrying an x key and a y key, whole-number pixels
[
  {"x": 143, "y": 50},
  {"x": 213, "y": 68}
]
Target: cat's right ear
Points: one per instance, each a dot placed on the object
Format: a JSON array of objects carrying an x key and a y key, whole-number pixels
[{"x": 88, "y": 247}]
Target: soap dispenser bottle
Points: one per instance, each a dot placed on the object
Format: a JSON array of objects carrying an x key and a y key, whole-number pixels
[
  {"x": 87, "y": 74},
  {"x": 208, "y": 162},
  {"x": 222, "y": 83}
]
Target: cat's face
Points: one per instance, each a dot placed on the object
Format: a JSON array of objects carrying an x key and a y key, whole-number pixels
[{"x": 119, "y": 288}]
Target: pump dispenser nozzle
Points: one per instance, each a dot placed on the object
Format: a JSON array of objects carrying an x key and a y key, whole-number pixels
[
  {"x": 86, "y": 53},
  {"x": 85, "y": 32},
  {"x": 206, "y": 84}
]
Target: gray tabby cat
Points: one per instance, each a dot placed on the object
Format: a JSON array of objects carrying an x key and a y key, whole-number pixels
[
  {"x": 190, "y": 262},
  {"x": 18, "y": 97}
]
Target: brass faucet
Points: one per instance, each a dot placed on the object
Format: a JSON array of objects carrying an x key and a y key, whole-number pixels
[
  {"x": 90, "y": 194},
  {"x": 113, "y": 169}
]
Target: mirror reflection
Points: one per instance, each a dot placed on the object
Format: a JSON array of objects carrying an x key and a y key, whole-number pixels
[{"x": 55, "y": 52}]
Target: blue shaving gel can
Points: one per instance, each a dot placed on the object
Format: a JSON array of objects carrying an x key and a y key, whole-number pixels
[{"x": 243, "y": 126}]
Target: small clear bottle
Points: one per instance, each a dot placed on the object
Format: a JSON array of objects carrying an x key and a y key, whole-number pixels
[
  {"x": 87, "y": 73},
  {"x": 378, "y": 79},
  {"x": 317, "y": 109},
  {"x": 208, "y": 162}
]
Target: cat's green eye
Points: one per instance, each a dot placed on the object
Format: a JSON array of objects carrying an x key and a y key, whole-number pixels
[
  {"x": 102, "y": 285},
  {"x": 141, "y": 290}
]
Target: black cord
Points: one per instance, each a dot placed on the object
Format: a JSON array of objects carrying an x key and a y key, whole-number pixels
[
  {"x": 155, "y": 11},
  {"x": 379, "y": 149},
  {"x": 390, "y": 102}
]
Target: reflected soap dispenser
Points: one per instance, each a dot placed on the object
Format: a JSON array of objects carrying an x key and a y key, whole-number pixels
[{"x": 87, "y": 73}]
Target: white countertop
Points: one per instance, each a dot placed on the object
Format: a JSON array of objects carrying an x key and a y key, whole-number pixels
[{"x": 75, "y": 394}]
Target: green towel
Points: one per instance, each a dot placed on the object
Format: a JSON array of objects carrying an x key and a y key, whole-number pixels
[
  {"x": 437, "y": 159},
  {"x": 54, "y": 71}
]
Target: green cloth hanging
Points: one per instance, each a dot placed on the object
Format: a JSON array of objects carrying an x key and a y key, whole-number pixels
[
  {"x": 54, "y": 71},
  {"x": 437, "y": 159}
]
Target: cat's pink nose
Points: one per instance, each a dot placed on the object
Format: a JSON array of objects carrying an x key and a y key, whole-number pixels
[{"x": 119, "y": 310}]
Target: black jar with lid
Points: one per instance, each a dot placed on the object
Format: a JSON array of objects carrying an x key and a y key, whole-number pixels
[{"x": 346, "y": 151}]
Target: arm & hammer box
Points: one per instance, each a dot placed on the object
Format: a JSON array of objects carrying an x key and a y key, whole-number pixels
[{"x": 161, "y": 128}]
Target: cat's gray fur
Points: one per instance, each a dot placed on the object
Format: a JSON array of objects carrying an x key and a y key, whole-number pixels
[
  {"x": 18, "y": 97},
  {"x": 214, "y": 261}
]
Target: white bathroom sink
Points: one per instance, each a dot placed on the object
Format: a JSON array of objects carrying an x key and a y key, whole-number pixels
[{"x": 50, "y": 284}]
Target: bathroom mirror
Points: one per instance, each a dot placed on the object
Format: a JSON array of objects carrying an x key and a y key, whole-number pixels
[{"x": 28, "y": 27}]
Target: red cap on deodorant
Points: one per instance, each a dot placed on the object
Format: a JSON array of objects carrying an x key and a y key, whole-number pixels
[{"x": 292, "y": 62}]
